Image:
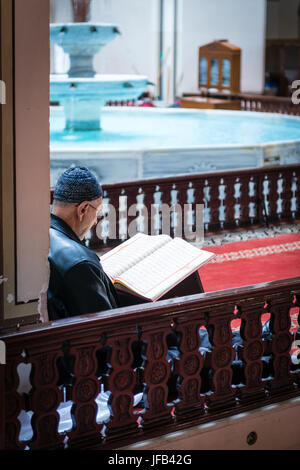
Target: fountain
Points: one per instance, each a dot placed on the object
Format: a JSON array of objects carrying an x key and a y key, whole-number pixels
[
  {"x": 128, "y": 143},
  {"x": 82, "y": 92}
]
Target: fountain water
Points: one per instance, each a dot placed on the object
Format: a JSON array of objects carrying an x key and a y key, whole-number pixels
[
  {"x": 83, "y": 92},
  {"x": 137, "y": 143}
]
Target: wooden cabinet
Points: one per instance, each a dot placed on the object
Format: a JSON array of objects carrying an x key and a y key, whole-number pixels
[{"x": 219, "y": 66}]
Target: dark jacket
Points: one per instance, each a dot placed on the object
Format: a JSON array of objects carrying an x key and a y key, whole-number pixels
[{"x": 78, "y": 285}]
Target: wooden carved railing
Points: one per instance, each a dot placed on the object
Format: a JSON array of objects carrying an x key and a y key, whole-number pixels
[
  {"x": 231, "y": 200},
  {"x": 121, "y": 103},
  {"x": 260, "y": 103},
  {"x": 98, "y": 352},
  {"x": 249, "y": 102},
  {"x": 269, "y": 104}
]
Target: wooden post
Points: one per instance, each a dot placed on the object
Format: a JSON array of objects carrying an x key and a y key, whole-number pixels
[
  {"x": 2, "y": 406},
  {"x": 81, "y": 10}
]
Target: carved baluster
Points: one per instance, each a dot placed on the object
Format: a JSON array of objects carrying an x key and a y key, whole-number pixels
[
  {"x": 166, "y": 189},
  {"x": 155, "y": 211},
  {"x": 98, "y": 239},
  {"x": 180, "y": 209},
  {"x": 121, "y": 383},
  {"x": 156, "y": 214},
  {"x": 189, "y": 369},
  {"x": 198, "y": 186},
  {"x": 45, "y": 398},
  {"x": 165, "y": 208},
  {"x": 221, "y": 361},
  {"x": 206, "y": 199},
  {"x": 222, "y": 197},
  {"x": 142, "y": 211},
  {"x": 171, "y": 222},
  {"x": 229, "y": 202},
  {"x": 149, "y": 190},
  {"x": 297, "y": 194},
  {"x": 173, "y": 343},
  {"x": 253, "y": 188},
  {"x": 141, "y": 215},
  {"x": 138, "y": 365},
  {"x": 189, "y": 220},
  {"x": 252, "y": 352},
  {"x": 192, "y": 211},
  {"x": 86, "y": 431},
  {"x": 103, "y": 228},
  {"x": 281, "y": 344},
  {"x": 260, "y": 202},
  {"x": 123, "y": 216},
  {"x": 286, "y": 195},
  {"x": 114, "y": 215},
  {"x": 214, "y": 204},
  {"x": 13, "y": 402},
  {"x": 295, "y": 323},
  {"x": 132, "y": 212},
  {"x": 105, "y": 232},
  {"x": 273, "y": 197},
  {"x": 110, "y": 221},
  {"x": 157, "y": 372},
  {"x": 265, "y": 196},
  {"x": 244, "y": 200}
]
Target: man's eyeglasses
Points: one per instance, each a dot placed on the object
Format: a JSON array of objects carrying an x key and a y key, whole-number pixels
[{"x": 100, "y": 216}]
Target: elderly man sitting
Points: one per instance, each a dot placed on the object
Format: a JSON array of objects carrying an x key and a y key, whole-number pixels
[{"x": 78, "y": 284}]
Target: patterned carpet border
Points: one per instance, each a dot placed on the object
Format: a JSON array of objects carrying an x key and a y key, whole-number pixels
[
  {"x": 254, "y": 252},
  {"x": 245, "y": 235}
]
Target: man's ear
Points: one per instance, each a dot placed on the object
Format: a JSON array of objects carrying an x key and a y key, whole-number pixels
[{"x": 81, "y": 210}]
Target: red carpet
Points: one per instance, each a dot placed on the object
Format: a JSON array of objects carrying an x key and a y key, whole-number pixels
[{"x": 252, "y": 262}]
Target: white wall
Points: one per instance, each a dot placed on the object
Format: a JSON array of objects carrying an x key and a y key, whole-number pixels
[
  {"x": 242, "y": 22},
  {"x": 135, "y": 51}
]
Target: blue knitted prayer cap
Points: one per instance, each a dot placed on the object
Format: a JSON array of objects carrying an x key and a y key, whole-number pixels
[{"x": 77, "y": 184}]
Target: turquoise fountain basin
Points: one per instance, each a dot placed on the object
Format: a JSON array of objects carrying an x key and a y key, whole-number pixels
[{"x": 137, "y": 143}]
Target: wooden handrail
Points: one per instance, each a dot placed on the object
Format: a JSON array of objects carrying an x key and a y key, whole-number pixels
[
  {"x": 232, "y": 199},
  {"x": 254, "y": 96},
  {"x": 258, "y": 103},
  {"x": 267, "y": 103},
  {"x": 98, "y": 349}
]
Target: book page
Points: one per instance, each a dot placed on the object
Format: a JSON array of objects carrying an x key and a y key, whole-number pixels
[
  {"x": 134, "y": 250},
  {"x": 164, "y": 268}
]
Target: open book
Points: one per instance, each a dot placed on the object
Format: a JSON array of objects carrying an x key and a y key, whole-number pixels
[{"x": 150, "y": 265}]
